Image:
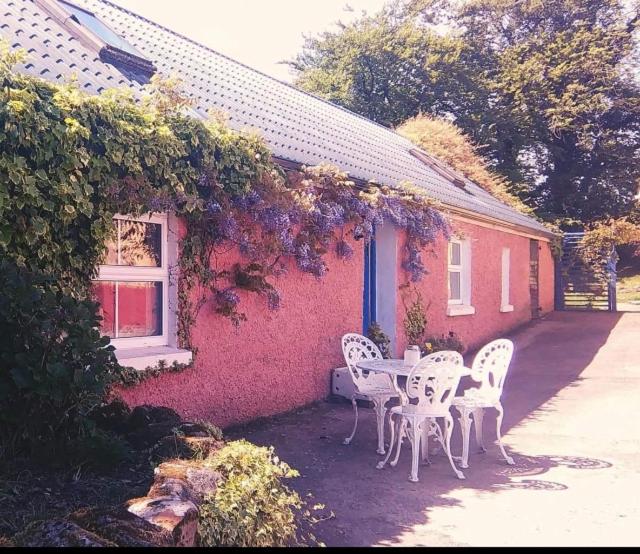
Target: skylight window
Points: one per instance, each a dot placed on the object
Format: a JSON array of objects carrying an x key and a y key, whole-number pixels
[
  {"x": 89, "y": 20},
  {"x": 112, "y": 48},
  {"x": 440, "y": 169}
]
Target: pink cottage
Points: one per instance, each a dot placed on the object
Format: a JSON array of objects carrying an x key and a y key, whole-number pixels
[{"x": 495, "y": 274}]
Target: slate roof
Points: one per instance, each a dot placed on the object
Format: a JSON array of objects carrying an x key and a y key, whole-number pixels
[{"x": 297, "y": 126}]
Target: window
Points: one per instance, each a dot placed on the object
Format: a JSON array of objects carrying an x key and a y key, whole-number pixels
[
  {"x": 505, "y": 306},
  {"x": 440, "y": 169},
  {"x": 459, "y": 278},
  {"x": 455, "y": 272},
  {"x": 90, "y": 21},
  {"x": 94, "y": 34},
  {"x": 133, "y": 282}
]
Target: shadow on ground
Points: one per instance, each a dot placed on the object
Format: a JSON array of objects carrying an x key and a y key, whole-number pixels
[{"x": 381, "y": 506}]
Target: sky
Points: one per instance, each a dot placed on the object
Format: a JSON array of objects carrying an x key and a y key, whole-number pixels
[{"x": 258, "y": 33}]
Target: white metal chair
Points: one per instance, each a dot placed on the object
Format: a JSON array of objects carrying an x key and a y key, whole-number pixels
[
  {"x": 489, "y": 368},
  {"x": 432, "y": 384},
  {"x": 442, "y": 357},
  {"x": 377, "y": 387}
]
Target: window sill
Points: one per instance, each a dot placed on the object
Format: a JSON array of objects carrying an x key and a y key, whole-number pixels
[
  {"x": 151, "y": 356},
  {"x": 460, "y": 309},
  {"x": 506, "y": 308}
]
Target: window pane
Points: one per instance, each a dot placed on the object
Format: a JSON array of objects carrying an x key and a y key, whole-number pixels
[
  {"x": 89, "y": 20},
  {"x": 139, "y": 309},
  {"x": 140, "y": 243},
  {"x": 105, "y": 293},
  {"x": 454, "y": 254},
  {"x": 454, "y": 285}
]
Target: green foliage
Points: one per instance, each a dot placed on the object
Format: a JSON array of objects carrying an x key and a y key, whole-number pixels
[
  {"x": 69, "y": 162},
  {"x": 130, "y": 377},
  {"x": 56, "y": 367},
  {"x": 415, "y": 319},
  {"x": 212, "y": 430},
  {"x": 251, "y": 506},
  {"x": 450, "y": 341},
  {"x": 380, "y": 338},
  {"x": 447, "y": 142},
  {"x": 600, "y": 239},
  {"x": 548, "y": 89}
]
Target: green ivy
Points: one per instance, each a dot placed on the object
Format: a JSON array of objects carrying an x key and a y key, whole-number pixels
[
  {"x": 69, "y": 162},
  {"x": 251, "y": 506}
]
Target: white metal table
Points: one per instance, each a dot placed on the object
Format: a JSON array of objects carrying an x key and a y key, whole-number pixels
[{"x": 396, "y": 368}]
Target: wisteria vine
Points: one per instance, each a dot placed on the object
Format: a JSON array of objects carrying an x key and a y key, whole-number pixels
[{"x": 300, "y": 216}]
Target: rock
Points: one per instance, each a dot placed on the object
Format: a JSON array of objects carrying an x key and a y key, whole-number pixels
[
  {"x": 198, "y": 480},
  {"x": 172, "y": 502},
  {"x": 122, "y": 527},
  {"x": 148, "y": 424},
  {"x": 190, "y": 429},
  {"x": 60, "y": 533},
  {"x": 174, "y": 446},
  {"x": 202, "y": 481},
  {"x": 142, "y": 416},
  {"x": 179, "y": 517},
  {"x": 113, "y": 416}
]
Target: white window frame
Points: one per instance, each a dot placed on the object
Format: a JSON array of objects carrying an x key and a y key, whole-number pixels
[
  {"x": 462, "y": 305},
  {"x": 505, "y": 305},
  {"x": 138, "y": 273}
]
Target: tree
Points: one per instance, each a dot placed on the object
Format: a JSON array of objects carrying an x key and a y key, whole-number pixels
[
  {"x": 374, "y": 67},
  {"x": 548, "y": 89}
]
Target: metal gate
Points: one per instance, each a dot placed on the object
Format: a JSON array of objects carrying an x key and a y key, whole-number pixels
[{"x": 584, "y": 287}]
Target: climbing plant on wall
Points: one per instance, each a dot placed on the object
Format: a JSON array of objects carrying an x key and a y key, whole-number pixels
[{"x": 69, "y": 162}]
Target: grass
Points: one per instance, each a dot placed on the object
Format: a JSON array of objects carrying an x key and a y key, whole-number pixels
[{"x": 628, "y": 288}]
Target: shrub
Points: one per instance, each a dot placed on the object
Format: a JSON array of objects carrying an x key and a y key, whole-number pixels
[
  {"x": 415, "y": 319},
  {"x": 54, "y": 365},
  {"x": 251, "y": 506},
  {"x": 451, "y": 341},
  {"x": 380, "y": 338}
]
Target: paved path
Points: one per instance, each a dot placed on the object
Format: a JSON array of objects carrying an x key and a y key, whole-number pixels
[{"x": 572, "y": 401}]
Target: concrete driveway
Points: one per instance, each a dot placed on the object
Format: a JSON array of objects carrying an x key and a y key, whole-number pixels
[{"x": 572, "y": 402}]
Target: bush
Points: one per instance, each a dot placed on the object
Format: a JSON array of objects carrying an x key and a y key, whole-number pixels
[
  {"x": 380, "y": 339},
  {"x": 450, "y": 341},
  {"x": 251, "y": 506},
  {"x": 54, "y": 365}
]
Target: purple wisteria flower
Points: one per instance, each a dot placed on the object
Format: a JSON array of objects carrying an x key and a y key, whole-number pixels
[{"x": 227, "y": 297}]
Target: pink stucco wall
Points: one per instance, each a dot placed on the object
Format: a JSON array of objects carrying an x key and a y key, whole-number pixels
[
  {"x": 486, "y": 267},
  {"x": 275, "y": 361},
  {"x": 280, "y": 360}
]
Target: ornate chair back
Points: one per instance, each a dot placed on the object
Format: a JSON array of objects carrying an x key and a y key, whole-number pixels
[
  {"x": 355, "y": 348},
  {"x": 490, "y": 368},
  {"x": 433, "y": 384}
]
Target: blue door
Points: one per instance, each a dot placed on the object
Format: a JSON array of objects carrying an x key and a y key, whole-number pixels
[{"x": 369, "y": 299}]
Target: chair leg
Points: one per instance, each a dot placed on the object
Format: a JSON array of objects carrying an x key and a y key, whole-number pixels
[
  {"x": 448, "y": 430},
  {"x": 508, "y": 458},
  {"x": 392, "y": 427},
  {"x": 355, "y": 425},
  {"x": 401, "y": 432},
  {"x": 478, "y": 416},
  {"x": 465, "y": 427},
  {"x": 415, "y": 434},
  {"x": 381, "y": 410},
  {"x": 425, "y": 443}
]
